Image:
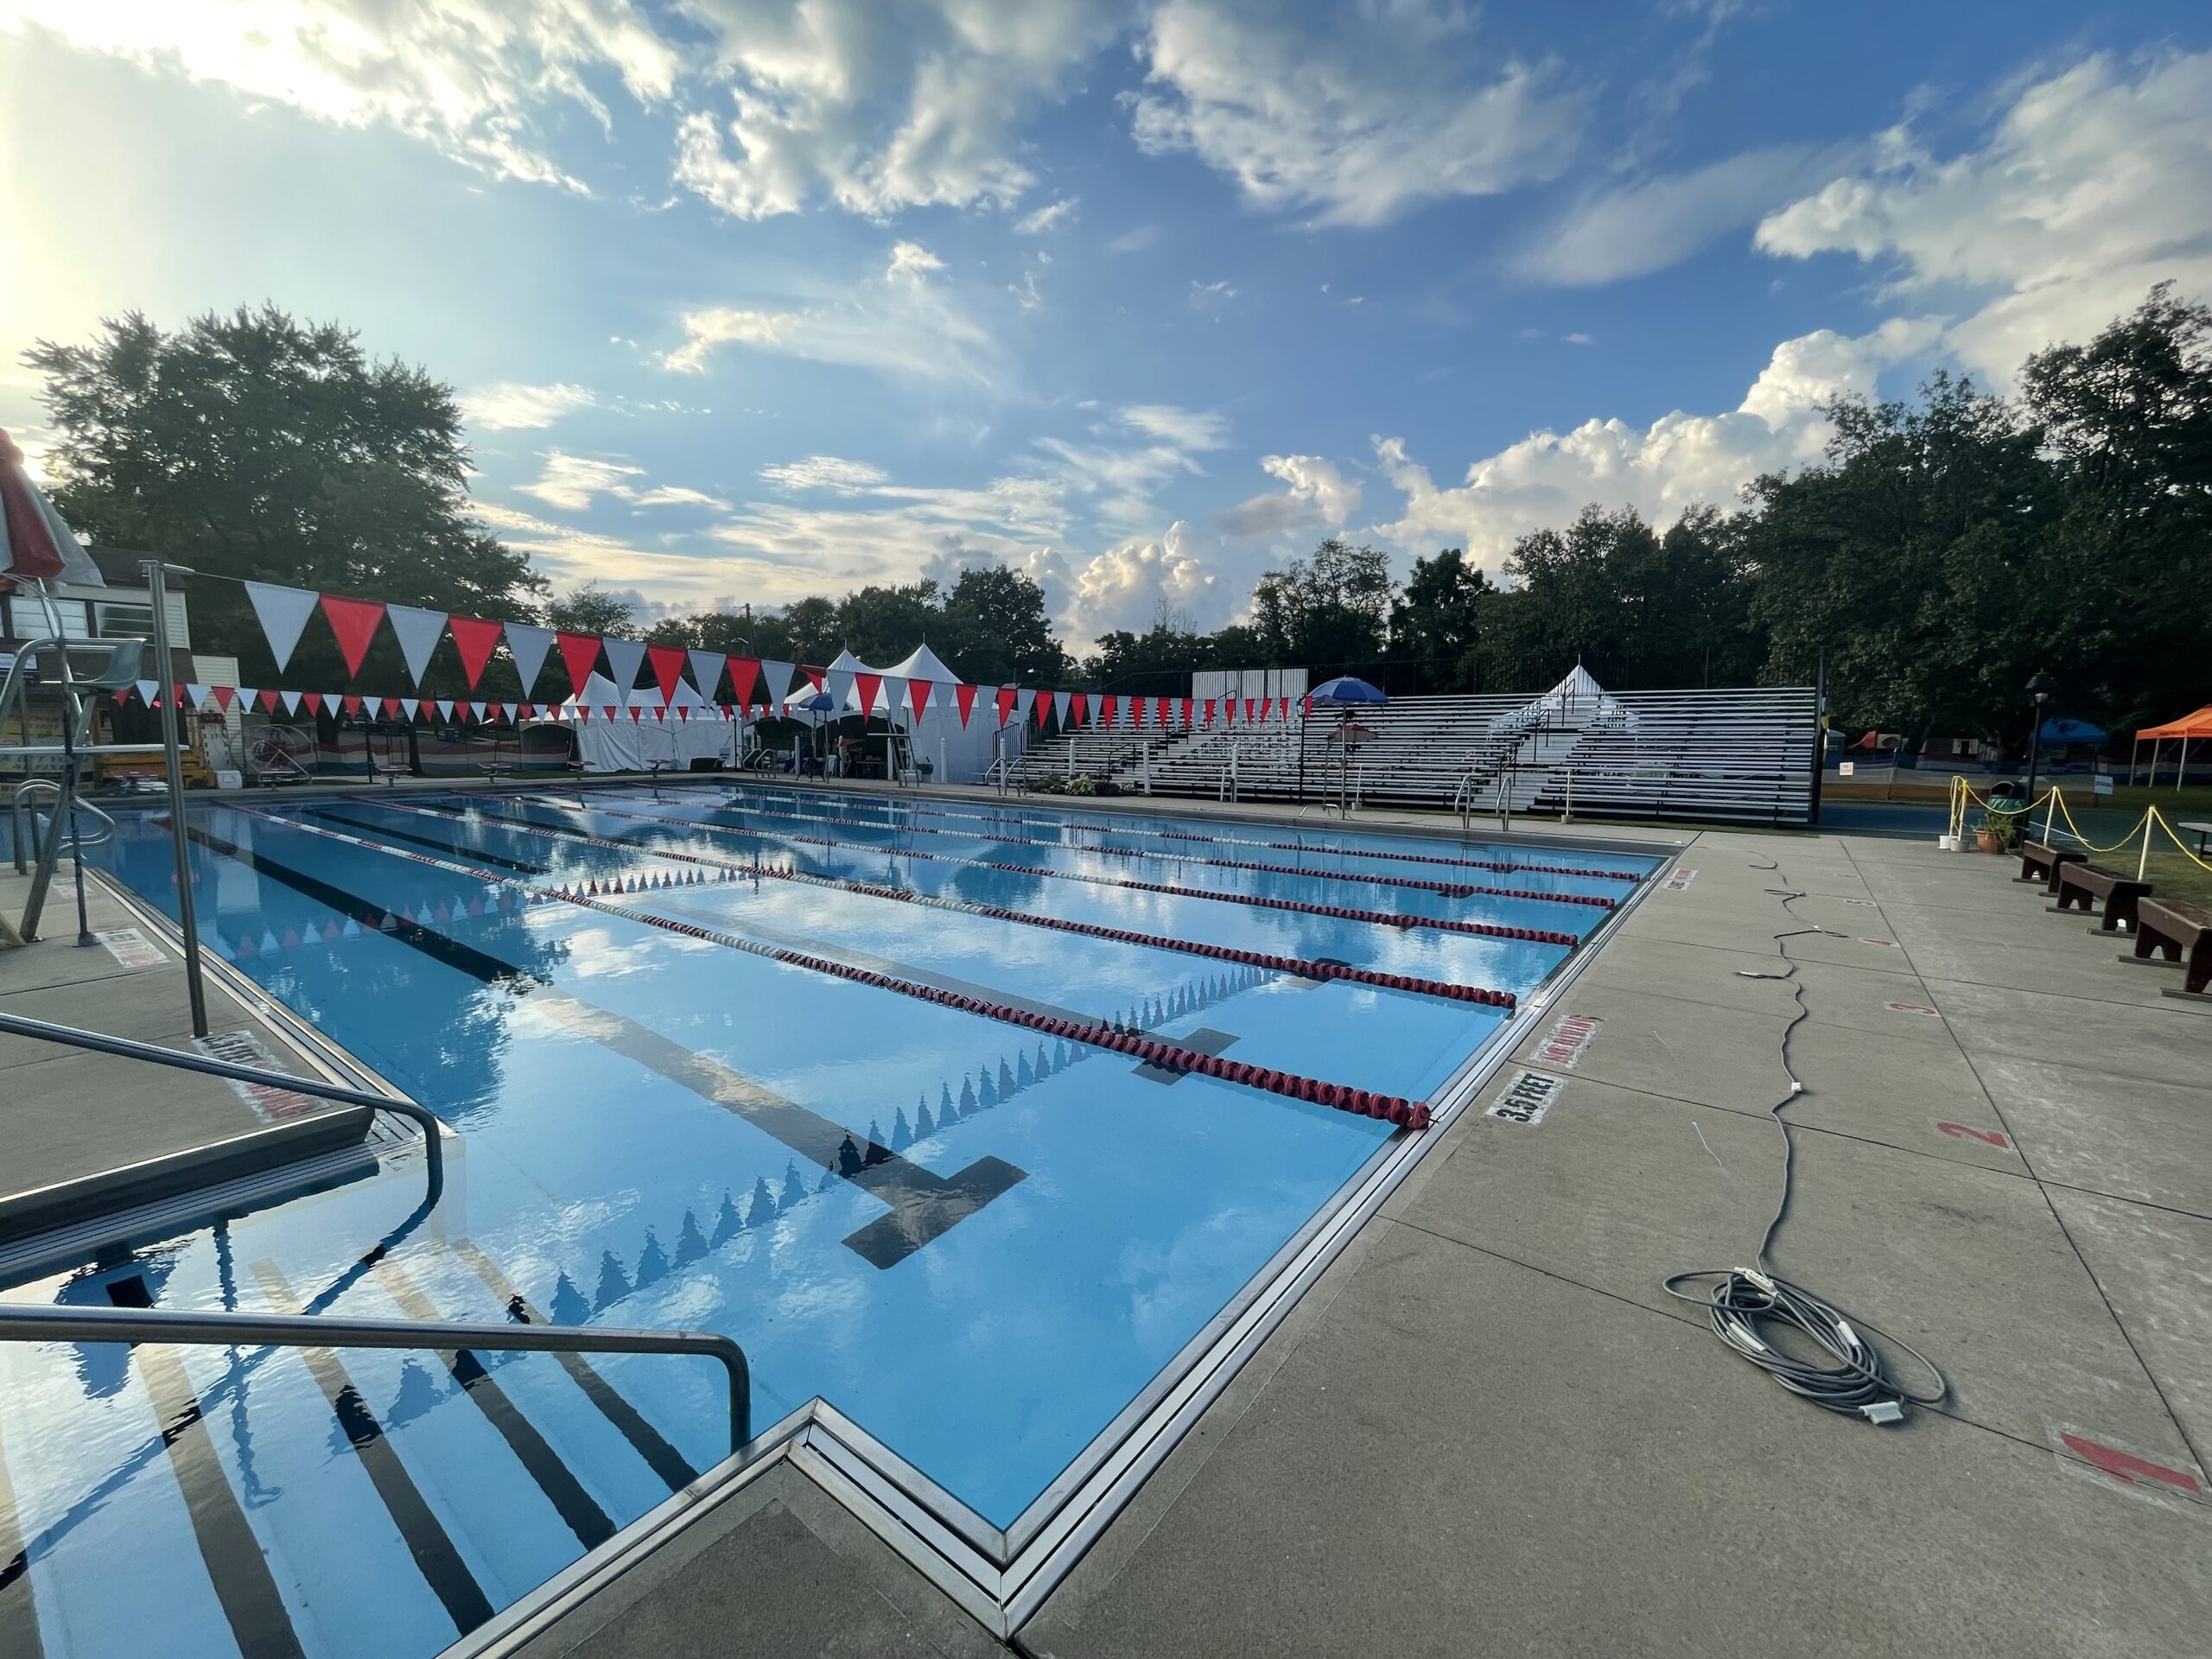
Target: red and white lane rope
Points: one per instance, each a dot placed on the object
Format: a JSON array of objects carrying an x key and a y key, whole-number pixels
[
  {"x": 1303, "y": 967},
  {"x": 1448, "y": 889},
  {"x": 1168, "y": 1055},
  {"x": 1381, "y": 918}
]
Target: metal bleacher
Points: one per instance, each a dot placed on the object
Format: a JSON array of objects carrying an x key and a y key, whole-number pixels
[{"x": 1735, "y": 755}]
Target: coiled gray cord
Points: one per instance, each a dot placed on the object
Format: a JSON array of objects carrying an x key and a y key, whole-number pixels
[{"x": 1740, "y": 1301}]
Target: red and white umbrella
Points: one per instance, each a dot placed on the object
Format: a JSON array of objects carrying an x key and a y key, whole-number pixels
[{"x": 35, "y": 545}]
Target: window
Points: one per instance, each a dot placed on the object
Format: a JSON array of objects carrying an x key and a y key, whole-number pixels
[
  {"x": 29, "y": 619},
  {"x": 126, "y": 621}
]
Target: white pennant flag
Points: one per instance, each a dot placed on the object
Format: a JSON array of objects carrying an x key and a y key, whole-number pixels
[
  {"x": 282, "y": 612},
  {"x": 196, "y": 694},
  {"x": 839, "y": 683},
  {"x": 478, "y": 707},
  {"x": 1060, "y": 700},
  {"x": 245, "y": 700},
  {"x": 528, "y": 645},
  {"x": 149, "y": 690},
  {"x": 775, "y": 681},
  {"x": 891, "y": 702},
  {"x": 1024, "y": 700},
  {"x": 445, "y": 709},
  {"x": 623, "y": 657},
  {"x": 417, "y": 632},
  {"x": 291, "y": 701},
  {"x": 706, "y": 672},
  {"x": 410, "y": 704}
]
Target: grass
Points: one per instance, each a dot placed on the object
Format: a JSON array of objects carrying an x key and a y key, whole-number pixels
[{"x": 2173, "y": 874}]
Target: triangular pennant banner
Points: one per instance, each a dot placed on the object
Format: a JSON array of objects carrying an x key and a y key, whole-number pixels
[
  {"x": 706, "y": 673},
  {"x": 867, "y": 685},
  {"x": 444, "y": 706},
  {"x": 1062, "y": 701},
  {"x": 1166, "y": 712},
  {"x": 411, "y": 705},
  {"x": 354, "y": 622},
  {"x": 1107, "y": 711},
  {"x": 579, "y": 655},
  {"x": 282, "y": 612},
  {"x": 964, "y": 698},
  {"x": 149, "y": 690},
  {"x": 480, "y": 706},
  {"x": 918, "y": 697},
  {"x": 350, "y": 704},
  {"x": 196, "y": 695},
  {"x": 624, "y": 657},
  {"x": 744, "y": 675},
  {"x": 417, "y": 632},
  {"x": 838, "y": 682},
  {"x": 776, "y": 680},
  {"x": 668, "y": 668},
  {"x": 224, "y": 694},
  {"x": 476, "y": 639},
  {"x": 313, "y": 701},
  {"x": 1006, "y": 704},
  {"x": 1041, "y": 707},
  {"x": 1079, "y": 708},
  {"x": 291, "y": 701},
  {"x": 1210, "y": 709},
  {"x": 1022, "y": 700},
  {"x": 528, "y": 647},
  {"x": 268, "y": 701}
]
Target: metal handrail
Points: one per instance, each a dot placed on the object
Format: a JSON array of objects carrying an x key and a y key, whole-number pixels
[
  {"x": 19, "y": 1323},
  {"x": 26, "y": 820},
  {"x": 100, "y": 1043}
]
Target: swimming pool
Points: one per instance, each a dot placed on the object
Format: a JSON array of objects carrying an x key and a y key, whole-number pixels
[{"x": 970, "y": 1122}]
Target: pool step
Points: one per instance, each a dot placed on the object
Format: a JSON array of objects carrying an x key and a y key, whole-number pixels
[{"x": 307, "y": 1503}]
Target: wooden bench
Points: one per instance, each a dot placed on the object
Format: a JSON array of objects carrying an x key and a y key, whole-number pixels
[
  {"x": 2080, "y": 885},
  {"x": 2040, "y": 861},
  {"x": 2182, "y": 936}
]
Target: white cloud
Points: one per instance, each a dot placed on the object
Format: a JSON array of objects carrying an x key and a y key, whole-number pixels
[
  {"x": 723, "y": 325},
  {"x": 826, "y": 472},
  {"x": 509, "y": 404},
  {"x": 879, "y": 108},
  {"x": 1319, "y": 498},
  {"x": 569, "y": 483},
  {"x": 1210, "y": 296},
  {"x": 474, "y": 78},
  {"x": 2094, "y": 184},
  {"x": 1678, "y": 461},
  {"x": 1647, "y": 225},
  {"x": 1050, "y": 217},
  {"x": 1580, "y": 340},
  {"x": 1359, "y": 124},
  {"x": 1133, "y": 241},
  {"x": 1118, "y": 478},
  {"x": 911, "y": 263},
  {"x": 1127, "y": 585},
  {"x": 1187, "y": 428}
]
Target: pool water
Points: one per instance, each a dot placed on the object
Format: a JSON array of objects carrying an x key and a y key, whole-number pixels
[{"x": 792, "y": 1066}]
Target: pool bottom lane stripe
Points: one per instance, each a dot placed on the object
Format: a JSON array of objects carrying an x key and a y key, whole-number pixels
[
  {"x": 923, "y": 1203},
  {"x": 420, "y": 1529},
  {"x": 1301, "y": 967}
]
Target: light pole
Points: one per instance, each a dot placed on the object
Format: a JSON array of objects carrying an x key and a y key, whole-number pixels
[{"x": 2039, "y": 689}]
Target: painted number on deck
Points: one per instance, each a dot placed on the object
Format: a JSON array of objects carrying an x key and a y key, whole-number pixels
[
  {"x": 1679, "y": 880},
  {"x": 1987, "y": 1137},
  {"x": 132, "y": 948},
  {"x": 1569, "y": 1038},
  {"x": 1527, "y": 1098}
]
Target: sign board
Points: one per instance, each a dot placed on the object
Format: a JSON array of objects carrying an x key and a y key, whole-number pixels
[
  {"x": 2101, "y": 782},
  {"x": 1845, "y": 768},
  {"x": 1679, "y": 880},
  {"x": 1527, "y": 1098},
  {"x": 132, "y": 948}
]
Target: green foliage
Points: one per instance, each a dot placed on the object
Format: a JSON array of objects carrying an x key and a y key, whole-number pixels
[
  {"x": 1437, "y": 621},
  {"x": 254, "y": 446},
  {"x": 591, "y": 609},
  {"x": 1331, "y": 607}
]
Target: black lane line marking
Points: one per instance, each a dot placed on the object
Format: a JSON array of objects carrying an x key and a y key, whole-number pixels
[
  {"x": 19, "y": 1637},
  {"x": 663, "y": 1458},
  {"x": 236, "y": 1564},
  {"x": 1204, "y": 1040},
  {"x": 577, "y": 1508},
  {"x": 924, "y": 1203},
  {"x": 446, "y": 847},
  {"x": 443, "y": 1569}
]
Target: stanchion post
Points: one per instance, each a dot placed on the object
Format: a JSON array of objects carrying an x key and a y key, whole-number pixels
[{"x": 2143, "y": 861}]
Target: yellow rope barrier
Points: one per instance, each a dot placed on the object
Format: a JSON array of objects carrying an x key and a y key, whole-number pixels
[{"x": 2174, "y": 837}]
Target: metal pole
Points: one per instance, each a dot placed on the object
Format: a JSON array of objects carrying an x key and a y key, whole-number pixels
[
  {"x": 2035, "y": 750},
  {"x": 157, "y": 574}
]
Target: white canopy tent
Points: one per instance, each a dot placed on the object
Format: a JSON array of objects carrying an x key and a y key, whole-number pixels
[
  {"x": 671, "y": 740},
  {"x": 1576, "y": 702},
  {"x": 957, "y": 754}
]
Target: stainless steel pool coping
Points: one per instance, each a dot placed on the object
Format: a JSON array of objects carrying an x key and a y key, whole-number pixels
[{"x": 1001, "y": 1578}]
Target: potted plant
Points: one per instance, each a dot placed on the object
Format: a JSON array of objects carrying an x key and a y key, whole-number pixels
[
  {"x": 1997, "y": 830},
  {"x": 1081, "y": 783}
]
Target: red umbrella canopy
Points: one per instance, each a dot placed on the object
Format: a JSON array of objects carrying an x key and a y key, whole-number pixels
[{"x": 35, "y": 545}]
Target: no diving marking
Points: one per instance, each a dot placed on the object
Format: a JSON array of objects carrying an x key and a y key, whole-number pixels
[{"x": 132, "y": 948}]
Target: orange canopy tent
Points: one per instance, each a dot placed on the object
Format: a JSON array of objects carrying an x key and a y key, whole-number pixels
[{"x": 2197, "y": 725}]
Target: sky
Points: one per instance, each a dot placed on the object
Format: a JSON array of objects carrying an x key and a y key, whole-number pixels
[{"x": 745, "y": 300}]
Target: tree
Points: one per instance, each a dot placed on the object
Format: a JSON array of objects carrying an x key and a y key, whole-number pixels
[
  {"x": 254, "y": 446},
  {"x": 591, "y": 609},
  {"x": 1331, "y": 607},
  {"x": 882, "y": 624},
  {"x": 997, "y": 631},
  {"x": 811, "y": 631},
  {"x": 1436, "y": 623}
]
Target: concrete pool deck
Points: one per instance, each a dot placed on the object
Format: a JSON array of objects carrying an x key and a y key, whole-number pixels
[{"x": 1487, "y": 1429}]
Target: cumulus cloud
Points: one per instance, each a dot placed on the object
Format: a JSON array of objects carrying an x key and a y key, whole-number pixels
[
  {"x": 1357, "y": 120},
  {"x": 723, "y": 325},
  {"x": 1128, "y": 585},
  {"x": 510, "y": 405},
  {"x": 878, "y": 108},
  {"x": 1677, "y": 462},
  {"x": 475, "y": 78},
  {"x": 1318, "y": 496},
  {"x": 911, "y": 263},
  {"x": 2094, "y": 184}
]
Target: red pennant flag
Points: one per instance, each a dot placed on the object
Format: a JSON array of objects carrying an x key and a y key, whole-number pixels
[
  {"x": 917, "y": 697},
  {"x": 267, "y": 702},
  {"x": 1187, "y": 703},
  {"x": 813, "y": 674},
  {"x": 475, "y": 637},
  {"x": 354, "y": 622},
  {"x": 389, "y": 706},
  {"x": 525, "y": 711},
  {"x": 668, "y": 667},
  {"x": 1167, "y": 713},
  {"x": 1106, "y": 711},
  {"x": 1006, "y": 704},
  {"x": 744, "y": 674},
  {"x": 223, "y": 695},
  {"x": 683, "y": 711},
  {"x": 1136, "y": 711},
  {"x": 637, "y": 714},
  {"x": 867, "y": 685},
  {"x": 1079, "y": 708},
  {"x": 579, "y": 655},
  {"x": 492, "y": 711},
  {"x": 609, "y": 710},
  {"x": 1042, "y": 707},
  {"x": 351, "y": 703},
  {"x": 1285, "y": 714},
  {"x": 1210, "y": 709},
  {"x": 1249, "y": 704},
  {"x": 965, "y": 696},
  {"x": 313, "y": 701}
]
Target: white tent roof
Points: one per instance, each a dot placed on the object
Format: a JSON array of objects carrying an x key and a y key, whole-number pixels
[
  {"x": 925, "y": 665},
  {"x": 599, "y": 693}
]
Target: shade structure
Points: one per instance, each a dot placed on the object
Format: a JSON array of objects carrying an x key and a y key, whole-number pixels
[
  {"x": 35, "y": 545},
  {"x": 1344, "y": 691},
  {"x": 2064, "y": 730},
  {"x": 2197, "y": 725}
]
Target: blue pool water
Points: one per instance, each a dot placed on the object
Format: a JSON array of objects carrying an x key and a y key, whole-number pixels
[{"x": 978, "y": 1240}]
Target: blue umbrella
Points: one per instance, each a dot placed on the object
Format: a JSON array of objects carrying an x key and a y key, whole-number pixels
[{"x": 1344, "y": 691}]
